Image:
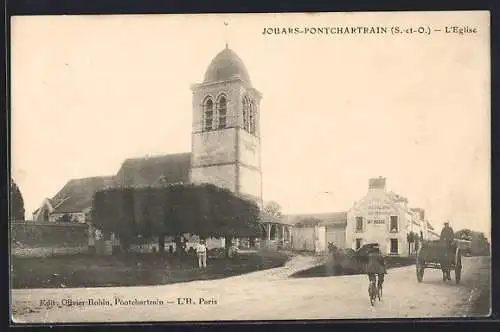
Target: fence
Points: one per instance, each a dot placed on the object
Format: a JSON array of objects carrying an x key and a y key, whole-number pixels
[{"x": 29, "y": 238}]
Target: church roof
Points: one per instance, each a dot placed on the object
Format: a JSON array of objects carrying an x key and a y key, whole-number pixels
[
  {"x": 225, "y": 66},
  {"x": 77, "y": 194},
  {"x": 148, "y": 171}
]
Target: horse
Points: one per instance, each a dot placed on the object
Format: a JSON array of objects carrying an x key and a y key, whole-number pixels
[
  {"x": 332, "y": 248},
  {"x": 448, "y": 259}
]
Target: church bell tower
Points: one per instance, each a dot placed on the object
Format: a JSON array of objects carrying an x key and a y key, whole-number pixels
[{"x": 226, "y": 128}]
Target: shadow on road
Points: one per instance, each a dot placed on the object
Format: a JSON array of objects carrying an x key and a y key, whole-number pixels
[{"x": 330, "y": 268}]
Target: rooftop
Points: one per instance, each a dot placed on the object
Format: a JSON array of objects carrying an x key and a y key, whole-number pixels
[{"x": 225, "y": 66}]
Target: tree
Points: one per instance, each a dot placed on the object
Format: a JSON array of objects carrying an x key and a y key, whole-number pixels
[
  {"x": 16, "y": 202},
  {"x": 272, "y": 209},
  {"x": 204, "y": 210},
  {"x": 464, "y": 234},
  {"x": 410, "y": 238},
  {"x": 479, "y": 244},
  {"x": 113, "y": 211}
]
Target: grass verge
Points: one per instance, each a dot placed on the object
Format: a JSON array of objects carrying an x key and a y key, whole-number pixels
[{"x": 85, "y": 270}]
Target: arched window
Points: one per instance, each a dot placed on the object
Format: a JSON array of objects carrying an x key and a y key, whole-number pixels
[
  {"x": 222, "y": 112},
  {"x": 208, "y": 114},
  {"x": 246, "y": 110},
  {"x": 251, "y": 119}
]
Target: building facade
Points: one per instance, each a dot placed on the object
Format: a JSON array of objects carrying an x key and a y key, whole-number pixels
[
  {"x": 313, "y": 232},
  {"x": 383, "y": 217}
]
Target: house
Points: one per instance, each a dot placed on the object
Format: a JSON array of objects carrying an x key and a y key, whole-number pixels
[
  {"x": 384, "y": 217},
  {"x": 313, "y": 232},
  {"x": 73, "y": 202}
]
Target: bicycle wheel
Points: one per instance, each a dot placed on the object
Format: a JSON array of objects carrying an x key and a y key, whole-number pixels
[{"x": 372, "y": 293}]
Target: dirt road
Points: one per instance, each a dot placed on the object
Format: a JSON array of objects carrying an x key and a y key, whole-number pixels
[{"x": 262, "y": 295}]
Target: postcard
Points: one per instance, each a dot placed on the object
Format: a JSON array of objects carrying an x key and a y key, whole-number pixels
[{"x": 235, "y": 167}]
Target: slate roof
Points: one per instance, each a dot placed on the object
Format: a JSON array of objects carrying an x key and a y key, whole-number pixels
[
  {"x": 77, "y": 194},
  {"x": 327, "y": 219},
  {"x": 148, "y": 171},
  {"x": 225, "y": 66}
]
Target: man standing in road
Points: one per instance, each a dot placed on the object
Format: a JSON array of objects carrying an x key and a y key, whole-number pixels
[{"x": 201, "y": 252}]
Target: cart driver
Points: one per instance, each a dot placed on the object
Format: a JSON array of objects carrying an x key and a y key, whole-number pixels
[{"x": 447, "y": 234}]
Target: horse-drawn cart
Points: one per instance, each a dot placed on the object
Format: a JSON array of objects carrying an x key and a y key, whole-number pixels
[{"x": 440, "y": 255}]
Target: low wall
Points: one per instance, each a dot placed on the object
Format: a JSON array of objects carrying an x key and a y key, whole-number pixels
[
  {"x": 35, "y": 239},
  {"x": 48, "y": 251}
]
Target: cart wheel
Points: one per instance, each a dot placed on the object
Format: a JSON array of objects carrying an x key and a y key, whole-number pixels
[
  {"x": 420, "y": 273},
  {"x": 420, "y": 267},
  {"x": 458, "y": 266},
  {"x": 458, "y": 274}
]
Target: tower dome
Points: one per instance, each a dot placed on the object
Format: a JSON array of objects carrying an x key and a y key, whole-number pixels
[{"x": 225, "y": 66}]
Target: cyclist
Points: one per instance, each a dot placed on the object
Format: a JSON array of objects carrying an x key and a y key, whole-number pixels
[{"x": 376, "y": 265}]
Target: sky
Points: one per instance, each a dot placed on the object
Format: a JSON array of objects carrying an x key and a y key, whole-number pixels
[{"x": 91, "y": 91}]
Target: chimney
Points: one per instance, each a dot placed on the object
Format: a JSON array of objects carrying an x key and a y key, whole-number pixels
[{"x": 377, "y": 183}]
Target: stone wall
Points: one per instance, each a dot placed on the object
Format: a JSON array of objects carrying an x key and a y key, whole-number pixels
[{"x": 31, "y": 238}]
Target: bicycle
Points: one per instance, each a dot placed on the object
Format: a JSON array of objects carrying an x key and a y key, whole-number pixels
[{"x": 373, "y": 292}]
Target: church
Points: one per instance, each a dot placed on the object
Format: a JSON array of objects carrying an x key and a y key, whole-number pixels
[
  {"x": 226, "y": 152},
  {"x": 225, "y": 147}
]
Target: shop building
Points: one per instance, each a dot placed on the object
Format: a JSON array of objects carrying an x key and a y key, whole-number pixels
[{"x": 384, "y": 217}]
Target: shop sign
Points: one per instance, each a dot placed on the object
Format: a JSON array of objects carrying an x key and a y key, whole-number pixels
[{"x": 376, "y": 221}]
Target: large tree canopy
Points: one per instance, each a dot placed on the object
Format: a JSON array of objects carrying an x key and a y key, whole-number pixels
[
  {"x": 16, "y": 202},
  {"x": 205, "y": 210},
  {"x": 479, "y": 242},
  {"x": 272, "y": 209}
]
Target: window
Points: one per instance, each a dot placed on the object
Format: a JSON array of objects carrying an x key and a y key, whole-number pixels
[
  {"x": 394, "y": 246},
  {"x": 246, "y": 111},
  {"x": 359, "y": 224},
  {"x": 394, "y": 224},
  {"x": 251, "y": 119},
  {"x": 249, "y": 115},
  {"x": 208, "y": 113},
  {"x": 222, "y": 110},
  {"x": 358, "y": 243}
]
